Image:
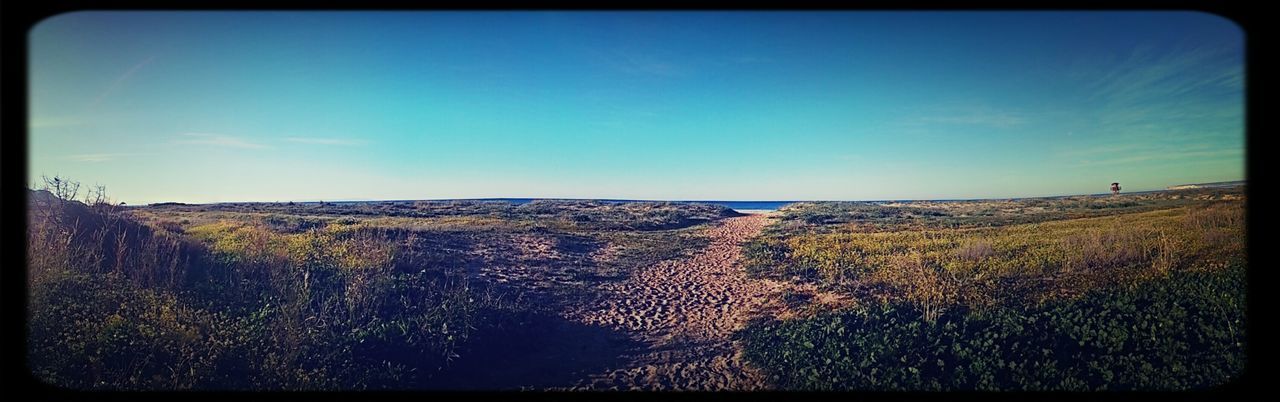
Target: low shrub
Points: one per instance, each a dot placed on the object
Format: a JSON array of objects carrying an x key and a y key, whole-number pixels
[{"x": 1185, "y": 331}]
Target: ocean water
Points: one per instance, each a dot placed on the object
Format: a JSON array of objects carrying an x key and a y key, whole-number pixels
[{"x": 750, "y": 205}]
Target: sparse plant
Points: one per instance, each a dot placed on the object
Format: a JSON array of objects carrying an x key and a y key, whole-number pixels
[
  {"x": 976, "y": 251},
  {"x": 929, "y": 286}
]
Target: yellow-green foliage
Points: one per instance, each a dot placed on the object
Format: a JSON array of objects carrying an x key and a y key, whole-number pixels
[
  {"x": 446, "y": 223},
  {"x": 335, "y": 244},
  {"x": 361, "y": 262},
  {"x": 1132, "y": 301},
  {"x": 87, "y": 332},
  {"x": 240, "y": 240},
  {"x": 1059, "y": 257}
]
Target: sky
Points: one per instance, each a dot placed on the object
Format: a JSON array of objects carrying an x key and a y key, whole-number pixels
[{"x": 302, "y": 106}]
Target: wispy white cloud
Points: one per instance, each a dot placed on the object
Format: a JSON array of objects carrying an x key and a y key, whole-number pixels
[
  {"x": 1148, "y": 106},
  {"x": 750, "y": 60},
  {"x": 1147, "y": 84},
  {"x": 115, "y": 84},
  {"x": 54, "y": 122},
  {"x": 97, "y": 158},
  {"x": 994, "y": 119},
  {"x": 218, "y": 140},
  {"x": 325, "y": 141},
  {"x": 1159, "y": 155},
  {"x": 638, "y": 63},
  {"x": 1148, "y": 91},
  {"x": 975, "y": 114},
  {"x": 1101, "y": 149}
]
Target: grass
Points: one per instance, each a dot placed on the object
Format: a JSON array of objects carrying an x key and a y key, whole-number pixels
[
  {"x": 310, "y": 296},
  {"x": 878, "y": 216},
  {"x": 1075, "y": 293},
  {"x": 1047, "y": 259},
  {"x": 1176, "y": 333},
  {"x": 240, "y": 307},
  {"x": 462, "y": 214},
  {"x": 1146, "y": 295}
]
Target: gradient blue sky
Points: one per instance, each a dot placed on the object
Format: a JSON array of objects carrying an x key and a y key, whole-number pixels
[{"x": 258, "y": 106}]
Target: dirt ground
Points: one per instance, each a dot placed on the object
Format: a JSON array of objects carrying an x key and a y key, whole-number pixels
[
  {"x": 666, "y": 327},
  {"x": 681, "y": 314}
]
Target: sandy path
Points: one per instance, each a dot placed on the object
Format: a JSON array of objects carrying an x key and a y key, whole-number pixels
[{"x": 683, "y": 313}]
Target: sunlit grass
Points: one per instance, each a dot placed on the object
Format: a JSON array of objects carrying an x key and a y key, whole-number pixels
[
  {"x": 1147, "y": 300},
  {"x": 1062, "y": 258}
]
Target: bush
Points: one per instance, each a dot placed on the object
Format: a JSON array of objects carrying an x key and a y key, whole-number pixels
[
  {"x": 976, "y": 251},
  {"x": 88, "y": 333},
  {"x": 1181, "y": 332},
  {"x": 117, "y": 305},
  {"x": 767, "y": 257}
]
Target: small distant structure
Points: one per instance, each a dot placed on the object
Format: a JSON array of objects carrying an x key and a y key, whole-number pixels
[{"x": 1115, "y": 188}]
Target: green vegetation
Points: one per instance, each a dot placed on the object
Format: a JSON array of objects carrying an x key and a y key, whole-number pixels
[
  {"x": 278, "y": 296},
  {"x": 462, "y": 214},
  {"x": 1076, "y": 293},
  {"x": 124, "y": 306},
  {"x": 1148, "y": 296},
  {"x": 1181, "y": 332},
  {"x": 920, "y": 215}
]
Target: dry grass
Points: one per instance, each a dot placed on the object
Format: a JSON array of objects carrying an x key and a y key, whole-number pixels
[
  {"x": 923, "y": 282},
  {"x": 976, "y": 251},
  {"x": 1016, "y": 263}
]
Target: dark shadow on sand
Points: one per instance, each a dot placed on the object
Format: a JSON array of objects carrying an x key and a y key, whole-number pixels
[{"x": 538, "y": 351}]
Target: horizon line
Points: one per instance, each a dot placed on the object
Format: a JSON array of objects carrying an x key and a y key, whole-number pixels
[{"x": 1230, "y": 183}]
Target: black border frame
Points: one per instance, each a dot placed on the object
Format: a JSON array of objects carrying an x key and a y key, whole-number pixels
[{"x": 13, "y": 159}]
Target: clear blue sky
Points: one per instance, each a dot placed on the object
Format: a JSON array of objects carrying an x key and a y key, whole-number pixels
[{"x": 258, "y": 106}]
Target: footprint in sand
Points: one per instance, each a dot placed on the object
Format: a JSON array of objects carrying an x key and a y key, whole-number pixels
[{"x": 688, "y": 309}]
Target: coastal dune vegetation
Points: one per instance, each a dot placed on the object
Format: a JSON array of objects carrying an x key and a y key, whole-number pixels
[
  {"x": 1142, "y": 292},
  {"x": 312, "y": 296}
]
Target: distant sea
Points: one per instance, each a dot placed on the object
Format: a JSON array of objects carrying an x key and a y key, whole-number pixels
[{"x": 767, "y": 205}]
